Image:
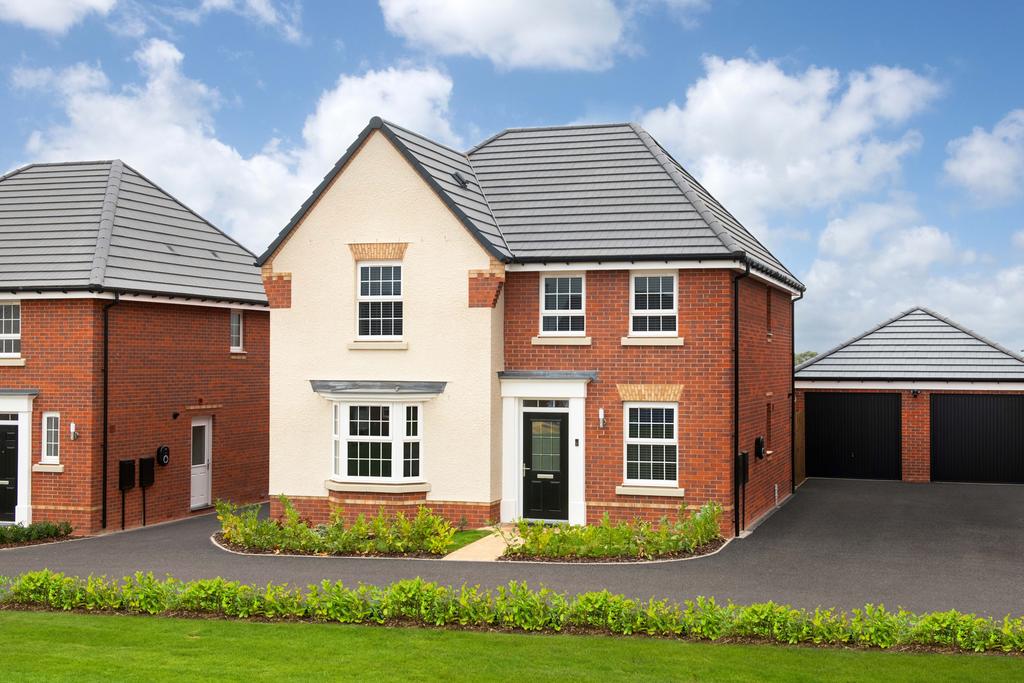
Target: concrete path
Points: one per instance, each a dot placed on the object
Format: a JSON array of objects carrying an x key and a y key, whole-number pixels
[
  {"x": 837, "y": 543},
  {"x": 487, "y": 549}
]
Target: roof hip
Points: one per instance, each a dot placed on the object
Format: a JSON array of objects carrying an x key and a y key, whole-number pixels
[{"x": 106, "y": 227}]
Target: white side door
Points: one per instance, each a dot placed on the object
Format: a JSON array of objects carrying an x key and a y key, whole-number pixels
[{"x": 202, "y": 456}]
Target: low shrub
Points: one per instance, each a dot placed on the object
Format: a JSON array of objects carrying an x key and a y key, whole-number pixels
[
  {"x": 517, "y": 607},
  {"x": 638, "y": 539},
  {"x": 36, "y": 531},
  {"x": 380, "y": 535}
]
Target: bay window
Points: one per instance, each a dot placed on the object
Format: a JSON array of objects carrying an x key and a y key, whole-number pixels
[{"x": 376, "y": 441}]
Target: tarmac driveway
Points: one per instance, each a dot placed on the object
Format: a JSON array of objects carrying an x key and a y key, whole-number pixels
[{"x": 836, "y": 543}]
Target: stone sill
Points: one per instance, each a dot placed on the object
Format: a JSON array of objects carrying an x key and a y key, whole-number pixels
[
  {"x": 12, "y": 362},
  {"x": 378, "y": 346},
  {"x": 560, "y": 341},
  {"x": 239, "y": 355},
  {"x": 652, "y": 341},
  {"x": 664, "y": 491},
  {"x": 369, "y": 487},
  {"x": 47, "y": 467}
]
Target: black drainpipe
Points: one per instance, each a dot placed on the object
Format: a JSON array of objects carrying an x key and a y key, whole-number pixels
[
  {"x": 106, "y": 401},
  {"x": 736, "y": 393},
  {"x": 792, "y": 395}
]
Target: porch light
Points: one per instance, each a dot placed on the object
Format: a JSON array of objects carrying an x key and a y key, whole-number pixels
[
  {"x": 600, "y": 418},
  {"x": 74, "y": 431}
]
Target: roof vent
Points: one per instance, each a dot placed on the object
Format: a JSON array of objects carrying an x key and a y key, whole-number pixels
[{"x": 460, "y": 179}]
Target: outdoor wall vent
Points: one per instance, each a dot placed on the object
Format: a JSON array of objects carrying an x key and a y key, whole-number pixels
[{"x": 460, "y": 179}]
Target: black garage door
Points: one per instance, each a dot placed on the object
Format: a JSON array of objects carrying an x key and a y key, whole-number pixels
[
  {"x": 978, "y": 438},
  {"x": 853, "y": 435}
]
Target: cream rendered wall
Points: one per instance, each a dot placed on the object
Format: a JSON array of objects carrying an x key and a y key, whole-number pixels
[{"x": 379, "y": 197}]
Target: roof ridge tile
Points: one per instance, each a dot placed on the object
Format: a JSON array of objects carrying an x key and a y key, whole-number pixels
[{"x": 106, "y": 227}]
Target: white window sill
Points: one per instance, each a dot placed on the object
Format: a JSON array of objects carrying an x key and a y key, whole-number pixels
[
  {"x": 646, "y": 490},
  {"x": 378, "y": 346},
  {"x": 370, "y": 487},
  {"x": 652, "y": 341},
  {"x": 12, "y": 362},
  {"x": 56, "y": 468},
  {"x": 560, "y": 341},
  {"x": 234, "y": 350}
]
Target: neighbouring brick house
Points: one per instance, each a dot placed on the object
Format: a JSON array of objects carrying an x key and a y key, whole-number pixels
[
  {"x": 557, "y": 324},
  {"x": 918, "y": 398},
  {"x": 100, "y": 270}
]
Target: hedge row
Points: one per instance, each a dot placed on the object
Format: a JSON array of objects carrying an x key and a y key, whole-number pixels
[
  {"x": 516, "y": 607},
  {"x": 36, "y": 531}
]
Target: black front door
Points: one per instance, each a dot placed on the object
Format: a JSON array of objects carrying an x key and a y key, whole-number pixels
[
  {"x": 8, "y": 471},
  {"x": 545, "y": 466}
]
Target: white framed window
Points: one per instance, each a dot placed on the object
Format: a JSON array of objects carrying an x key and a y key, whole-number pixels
[
  {"x": 651, "y": 451},
  {"x": 237, "y": 331},
  {"x": 379, "y": 442},
  {"x": 10, "y": 329},
  {"x": 379, "y": 306},
  {"x": 50, "y": 430},
  {"x": 653, "y": 304},
  {"x": 563, "y": 305}
]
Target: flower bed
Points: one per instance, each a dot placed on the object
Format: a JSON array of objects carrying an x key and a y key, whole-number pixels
[
  {"x": 426, "y": 534},
  {"x": 696, "y": 534},
  {"x": 36, "y": 532},
  {"x": 516, "y": 607}
]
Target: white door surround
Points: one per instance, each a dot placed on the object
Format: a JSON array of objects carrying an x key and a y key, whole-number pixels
[
  {"x": 19, "y": 402},
  {"x": 513, "y": 393},
  {"x": 201, "y": 452}
]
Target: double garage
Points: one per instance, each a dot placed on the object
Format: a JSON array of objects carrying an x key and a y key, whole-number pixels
[{"x": 919, "y": 398}]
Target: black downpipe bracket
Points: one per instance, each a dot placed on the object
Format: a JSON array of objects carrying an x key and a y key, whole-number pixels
[
  {"x": 737, "y": 474},
  {"x": 792, "y": 394},
  {"x": 106, "y": 403}
]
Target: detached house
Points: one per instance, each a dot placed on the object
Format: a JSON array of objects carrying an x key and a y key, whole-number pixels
[
  {"x": 560, "y": 323},
  {"x": 133, "y": 352}
]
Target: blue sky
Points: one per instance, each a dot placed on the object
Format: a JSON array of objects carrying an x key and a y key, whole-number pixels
[{"x": 877, "y": 148}]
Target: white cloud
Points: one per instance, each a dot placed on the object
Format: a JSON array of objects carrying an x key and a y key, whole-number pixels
[
  {"x": 51, "y": 16},
  {"x": 567, "y": 34},
  {"x": 164, "y": 127},
  {"x": 763, "y": 139},
  {"x": 889, "y": 263},
  {"x": 990, "y": 165},
  {"x": 1018, "y": 239},
  {"x": 284, "y": 15}
]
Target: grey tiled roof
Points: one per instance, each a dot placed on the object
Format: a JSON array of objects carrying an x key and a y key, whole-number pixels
[
  {"x": 103, "y": 226},
  {"x": 573, "y": 193},
  {"x": 917, "y": 344}
]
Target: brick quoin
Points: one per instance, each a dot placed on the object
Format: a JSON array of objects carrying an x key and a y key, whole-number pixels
[
  {"x": 484, "y": 289},
  {"x": 915, "y": 425},
  {"x": 278, "y": 287},
  {"x": 165, "y": 359}
]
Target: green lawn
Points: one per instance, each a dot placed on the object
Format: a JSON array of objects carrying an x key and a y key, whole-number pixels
[
  {"x": 466, "y": 537},
  {"x": 63, "y": 646}
]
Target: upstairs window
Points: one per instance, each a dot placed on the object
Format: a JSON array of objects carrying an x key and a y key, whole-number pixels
[
  {"x": 652, "y": 306},
  {"x": 237, "y": 331},
  {"x": 380, "y": 301},
  {"x": 50, "y": 452},
  {"x": 10, "y": 330},
  {"x": 562, "y": 305},
  {"x": 651, "y": 452}
]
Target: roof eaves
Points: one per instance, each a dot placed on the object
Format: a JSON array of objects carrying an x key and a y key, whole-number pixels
[{"x": 106, "y": 228}]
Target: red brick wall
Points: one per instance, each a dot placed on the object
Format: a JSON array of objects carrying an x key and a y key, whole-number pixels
[
  {"x": 484, "y": 289},
  {"x": 703, "y": 366},
  {"x": 765, "y": 378},
  {"x": 164, "y": 358},
  {"x": 62, "y": 346},
  {"x": 168, "y": 359},
  {"x": 278, "y": 287},
  {"x": 915, "y": 421}
]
